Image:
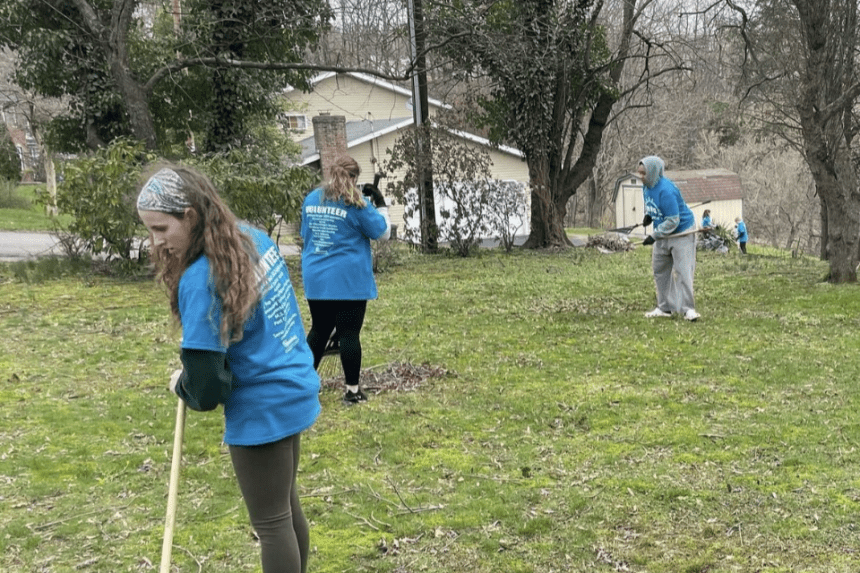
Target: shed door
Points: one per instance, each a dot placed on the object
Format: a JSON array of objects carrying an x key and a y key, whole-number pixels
[{"x": 632, "y": 207}]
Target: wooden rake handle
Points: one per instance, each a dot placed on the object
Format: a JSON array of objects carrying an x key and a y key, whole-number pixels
[{"x": 173, "y": 488}]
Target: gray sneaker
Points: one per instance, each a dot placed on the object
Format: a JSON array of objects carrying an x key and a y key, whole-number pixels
[
  {"x": 691, "y": 315},
  {"x": 658, "y": 313}
]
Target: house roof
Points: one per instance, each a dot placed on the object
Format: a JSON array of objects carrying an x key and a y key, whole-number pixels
[
  {"x": 698, "y": 185},
  {"x": 358, "y": 132},
  {"x": 373, "y": 81}
]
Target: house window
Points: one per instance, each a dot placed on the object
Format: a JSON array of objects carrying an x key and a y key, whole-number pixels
[{"x": 295, "y": 121}]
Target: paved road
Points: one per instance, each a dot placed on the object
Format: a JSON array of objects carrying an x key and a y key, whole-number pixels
[
  {"x": 23, "y": 246},
  {"x": 28, "y": 246}
]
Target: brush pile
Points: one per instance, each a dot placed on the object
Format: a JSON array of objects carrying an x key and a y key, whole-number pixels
[
  {"x": 396, "y": 376},
  {"x": 610, "y": 242},
  {"x": 717, "y": 239}
]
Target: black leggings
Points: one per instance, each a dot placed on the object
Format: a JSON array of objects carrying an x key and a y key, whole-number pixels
[
  {"x": 348, "y": 317},
  {"x": 267, "y": 479}
]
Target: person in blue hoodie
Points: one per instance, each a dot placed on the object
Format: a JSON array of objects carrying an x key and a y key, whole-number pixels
[
  {"x": 741, "y": 231},
  {"x": 674, "y": 257},
  {"x": 337, "y": 264},
  {"x": 243, "y": 346}
]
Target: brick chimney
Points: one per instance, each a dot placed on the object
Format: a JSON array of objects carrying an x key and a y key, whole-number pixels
[{"x": 330, "y": 138}]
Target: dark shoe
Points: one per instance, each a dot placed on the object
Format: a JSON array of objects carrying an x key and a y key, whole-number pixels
[{"x": 350, "y": 398}]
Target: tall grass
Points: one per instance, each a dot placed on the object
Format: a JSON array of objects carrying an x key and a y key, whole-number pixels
[{"x": 569, "y": 433}]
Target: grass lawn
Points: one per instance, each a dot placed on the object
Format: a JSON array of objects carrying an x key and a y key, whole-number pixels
[
  {"x": 26, "y": 213},
  {"x": 569, "y": 433}
]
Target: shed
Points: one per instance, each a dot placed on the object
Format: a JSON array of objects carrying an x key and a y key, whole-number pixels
[{"x": 716, "y": 189}]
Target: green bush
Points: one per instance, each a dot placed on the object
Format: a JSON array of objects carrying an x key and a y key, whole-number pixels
[
  {"x": 258, "y": 185},
  {"x": 98, "y": 193}
]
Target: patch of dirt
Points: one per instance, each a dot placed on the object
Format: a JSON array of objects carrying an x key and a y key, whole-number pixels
[{"x": 393, "y": 377}]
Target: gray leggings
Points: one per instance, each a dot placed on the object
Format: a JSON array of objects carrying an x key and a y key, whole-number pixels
[{"x": 267, "y": 478}]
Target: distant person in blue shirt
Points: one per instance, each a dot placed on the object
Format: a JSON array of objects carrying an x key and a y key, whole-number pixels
[
  {"x": 706, "y": 220},
  {"x": 338, "y": 224},
  {"x": 674, "y": 258},
  {"x": 243, "y": 346},
  {"x": 741, "y": 230}
]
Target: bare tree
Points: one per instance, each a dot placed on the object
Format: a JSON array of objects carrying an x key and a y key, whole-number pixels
[
  {"x": 799, "y": 78},
  {"x": 366, "y": 33},
  {"x": 556, "y": 72}
]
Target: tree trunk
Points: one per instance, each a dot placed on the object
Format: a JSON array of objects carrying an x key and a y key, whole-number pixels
[
  {"x": 827, "y": 129},
  {"x": 822, "y": 246},
  {"x": 843, "y": 229},
  {"x": 547, "y": 211},
  {"x": 828, "y": 155},
  {"x": 133, "y": 94},
  {"x": 135, "y": 99},
  {"x": 115, "y": 44}
]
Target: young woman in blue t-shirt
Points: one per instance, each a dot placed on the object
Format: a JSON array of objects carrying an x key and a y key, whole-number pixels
[
  {"x": 337, "y": 264},
  {"x": 243, "y": 346}
]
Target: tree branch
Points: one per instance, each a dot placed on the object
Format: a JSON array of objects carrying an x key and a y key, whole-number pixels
[{"x": 216, "y": 62}]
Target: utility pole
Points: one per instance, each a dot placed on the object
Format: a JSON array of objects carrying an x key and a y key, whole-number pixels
[{"x": 420, "y": 110}]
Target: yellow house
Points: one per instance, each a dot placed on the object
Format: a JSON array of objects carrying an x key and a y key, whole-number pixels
[{"x": 375, "y": 111}]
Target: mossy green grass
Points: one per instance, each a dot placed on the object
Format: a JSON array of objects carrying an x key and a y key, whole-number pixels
[{"x": 570, "y": 433}]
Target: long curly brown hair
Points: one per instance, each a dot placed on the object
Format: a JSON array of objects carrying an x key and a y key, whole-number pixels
[
  {"x": 341, "y": 175},
  {"x": 231, "y": 253}
]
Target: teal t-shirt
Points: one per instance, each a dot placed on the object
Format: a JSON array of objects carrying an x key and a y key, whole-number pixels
[
  {"x": 337, "y": 262},
  {"x": 275, "y": 390}
]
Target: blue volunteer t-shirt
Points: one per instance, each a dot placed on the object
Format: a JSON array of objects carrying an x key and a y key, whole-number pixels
[
  {"x": 337, "y": 263},
  {"x": 275, "y": 387},
  {"x": 663, "y": 201}
]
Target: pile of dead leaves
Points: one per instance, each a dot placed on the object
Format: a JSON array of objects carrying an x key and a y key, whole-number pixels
[
  {"x": 396, "y": 376},
  {"x": 610, "y": 242}
]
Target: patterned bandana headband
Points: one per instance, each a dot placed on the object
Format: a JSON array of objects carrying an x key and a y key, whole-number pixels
[{"x": 163, "y": 192}]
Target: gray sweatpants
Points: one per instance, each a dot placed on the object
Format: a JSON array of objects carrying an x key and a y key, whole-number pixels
[{"x": 674, "y": 262}]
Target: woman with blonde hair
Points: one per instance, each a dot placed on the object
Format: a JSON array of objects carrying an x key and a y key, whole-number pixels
[
  {"x": 337, "y": 264},
  {"x": 242, "y": 346}
]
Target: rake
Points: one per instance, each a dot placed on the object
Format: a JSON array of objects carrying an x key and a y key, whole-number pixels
[
  {"x": 173, "y": 488},
  {"x": 623, "y": 230},
  {"x": 330, "y": 365}
]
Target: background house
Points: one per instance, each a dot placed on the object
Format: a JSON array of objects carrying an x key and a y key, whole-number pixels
[
  {"x": 19, "y": 131},
  {"x": 718, "y": 189},
  {"x": 373, "y": 112}
]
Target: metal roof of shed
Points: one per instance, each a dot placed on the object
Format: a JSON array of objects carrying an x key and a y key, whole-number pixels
[{"x": 707, "y": 184}]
